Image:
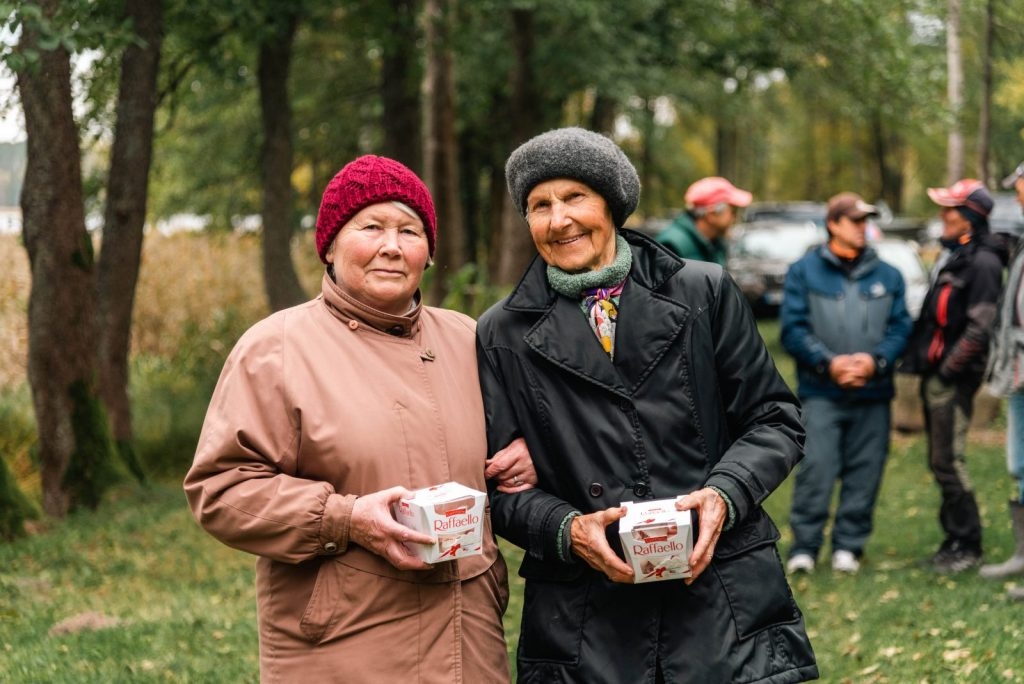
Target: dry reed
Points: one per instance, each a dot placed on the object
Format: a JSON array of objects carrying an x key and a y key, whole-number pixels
[{"x": 185, "y": 278}]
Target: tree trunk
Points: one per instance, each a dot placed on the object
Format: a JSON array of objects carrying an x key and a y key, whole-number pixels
[
  {"x": 887, "y": 146},
  {"x": 440, "y": 149},
  {"x": 955, "y": 93},
  {"x": 985, "y": 120},
  {"x": 516, "y": 248},
  {"x": 125, "y": 215},
  {"x": 400, "y": 87},
  {"x": 279, "y": 277},
  {"x": 602, "y": 117},
  {"x": 75, "y": 450}
]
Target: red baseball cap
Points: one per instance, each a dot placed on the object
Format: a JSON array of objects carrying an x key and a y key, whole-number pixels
[
  {"x": 714, "y": 190},
  {"x": 967, "y": 192}
]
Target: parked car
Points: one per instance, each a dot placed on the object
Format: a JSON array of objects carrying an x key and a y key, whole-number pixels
[
  {"x": 905, "y": 256},
  {"x": 760, "y": 254},
  {"x": 785, "y": 212}
]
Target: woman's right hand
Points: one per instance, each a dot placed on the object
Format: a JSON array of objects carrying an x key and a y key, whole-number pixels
[
  {"x": 587, "y": 533},
  {"x": 375, "y": 529}
]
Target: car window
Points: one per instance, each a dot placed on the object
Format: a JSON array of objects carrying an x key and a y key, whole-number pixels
[{"x": 783, "y": 243}]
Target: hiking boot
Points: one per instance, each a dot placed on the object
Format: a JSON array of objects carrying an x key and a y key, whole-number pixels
[
  {"x": 800, "y": 562},
  {"x": 845, "y": 561},
  {"x": 1014, "y": 565},
  {"x": 955, "y": 556}
]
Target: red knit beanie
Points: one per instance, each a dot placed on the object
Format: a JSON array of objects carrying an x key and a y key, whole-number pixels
[{"x": 370, "y": 180}]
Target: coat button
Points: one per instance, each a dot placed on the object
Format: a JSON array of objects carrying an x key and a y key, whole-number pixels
[
  {"x": 331, "y": 547},
  {"x": 353, "y": 324},
  {"x": 596, "y": 489},
  {"x": 625, "y": 405},
  {"x": 641, "y": 489}
]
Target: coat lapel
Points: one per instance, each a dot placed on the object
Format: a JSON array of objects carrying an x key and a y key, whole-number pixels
[
  {"x": 649, "y": 323},
  {"x": 563, "y": 337}
]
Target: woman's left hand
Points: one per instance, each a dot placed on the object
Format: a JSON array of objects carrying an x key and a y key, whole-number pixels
[
  {"x": 512, "y": 468},
  {"x": 711, "y": 514}
]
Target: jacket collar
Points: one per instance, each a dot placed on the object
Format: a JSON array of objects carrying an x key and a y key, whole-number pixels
[
  {"x": 649, "y": 321},
  {"x": 867, "y": 262}
]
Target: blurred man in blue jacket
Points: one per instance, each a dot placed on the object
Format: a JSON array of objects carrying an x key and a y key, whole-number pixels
[{"x": 844, "y": 320}]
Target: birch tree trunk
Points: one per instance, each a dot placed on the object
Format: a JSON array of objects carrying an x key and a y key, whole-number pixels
[{"x": 955, "y": 93}]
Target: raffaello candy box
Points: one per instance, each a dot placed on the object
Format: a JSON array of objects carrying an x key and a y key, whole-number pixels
[
  {"x": 656, "y": 540},
  {"x": 451, "y": 513}
]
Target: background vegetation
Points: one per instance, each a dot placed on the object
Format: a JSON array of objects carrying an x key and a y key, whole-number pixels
[
  {"x": 136, "y": 592},
  {"x": 233, "y": 115}
]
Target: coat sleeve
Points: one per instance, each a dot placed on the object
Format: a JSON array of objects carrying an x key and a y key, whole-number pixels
[
  {"x": 762, "y": 414},
  {"x": 529, "y": 519},
  {"x": 795, "y": 323},
  {"x": 897, "y": 328},
  {"x": 241, "y": 486},
  {"x": 982, "y": 296}
]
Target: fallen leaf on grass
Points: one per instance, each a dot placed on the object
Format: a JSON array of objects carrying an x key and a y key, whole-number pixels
[
  {"x": 890, "y": 651},
  {"x": 890, "y": 595},
  {"x": 956, "y": 654},
  {"x": 869, "y": 669}
]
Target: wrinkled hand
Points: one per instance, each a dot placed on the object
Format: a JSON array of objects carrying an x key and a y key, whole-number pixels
[
  {"x": 375, "y": 529},
  {"x": 587, "y": 533},
  {"x": 512, "y": 468},
  {"x": 711, "y": 513}
]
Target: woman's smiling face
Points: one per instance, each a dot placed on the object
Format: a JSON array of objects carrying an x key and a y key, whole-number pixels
[{"x": 571, "y": 225}]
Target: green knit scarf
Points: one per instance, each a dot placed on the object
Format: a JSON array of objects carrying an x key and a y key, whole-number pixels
[{"x": 572, "y": 285}]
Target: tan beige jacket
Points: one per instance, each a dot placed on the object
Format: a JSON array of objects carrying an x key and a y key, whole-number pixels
[{"x": 313, "y": 408}]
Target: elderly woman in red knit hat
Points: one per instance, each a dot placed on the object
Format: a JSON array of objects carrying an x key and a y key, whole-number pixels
[{"x": 326, "y": 414}]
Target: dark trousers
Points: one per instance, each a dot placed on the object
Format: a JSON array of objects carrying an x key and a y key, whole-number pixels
[
  {"x": 947, "y": 415},
  {"x": 848, "y": 442}
]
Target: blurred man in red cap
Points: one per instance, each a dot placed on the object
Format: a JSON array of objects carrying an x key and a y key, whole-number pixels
[
  {"x": 711, "y": 209},
  {"x": 1005, "y": 378},
  {"x": 948, "y": 348}
]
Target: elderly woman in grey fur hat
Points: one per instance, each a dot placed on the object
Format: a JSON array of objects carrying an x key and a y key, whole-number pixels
[{"x": 634, "y": 375}]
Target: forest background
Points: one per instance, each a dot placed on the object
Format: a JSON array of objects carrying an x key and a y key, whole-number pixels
[{"x": 140, "y": 113}]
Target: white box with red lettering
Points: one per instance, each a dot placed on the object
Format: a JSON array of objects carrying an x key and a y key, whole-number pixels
[
  {"x": 451, "y": 513},
  {"x": 657, "y": 540}
]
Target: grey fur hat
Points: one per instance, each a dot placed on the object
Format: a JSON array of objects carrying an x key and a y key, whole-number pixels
[{"x": 578, "y": 154}]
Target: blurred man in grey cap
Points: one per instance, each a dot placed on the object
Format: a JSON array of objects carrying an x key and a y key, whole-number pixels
[{"x": 1006, "y": 378}]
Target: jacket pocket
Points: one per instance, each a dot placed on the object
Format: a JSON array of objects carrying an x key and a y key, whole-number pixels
[
  {"x": 327, "y": 595},
  {"x": 750, "y": 571},
  {"x": 554, "y": 615}
]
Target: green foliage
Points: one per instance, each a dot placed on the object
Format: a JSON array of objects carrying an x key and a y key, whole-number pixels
[
  {"x": 469, "y": 290},
  {"x": 170, "y": 395},
  {"x": 15, "y": 507}
]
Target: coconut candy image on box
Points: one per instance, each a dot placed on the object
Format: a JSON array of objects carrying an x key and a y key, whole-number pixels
[
  {"x": 451, "y": 513},
  {"x": 656, "y": 540}
]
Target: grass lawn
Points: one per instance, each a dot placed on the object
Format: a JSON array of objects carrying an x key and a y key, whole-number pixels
[{"x": 137, "y": 593}]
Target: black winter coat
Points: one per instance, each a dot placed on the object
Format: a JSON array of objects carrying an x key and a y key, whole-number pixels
[{"x": 692, "y": 399}]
